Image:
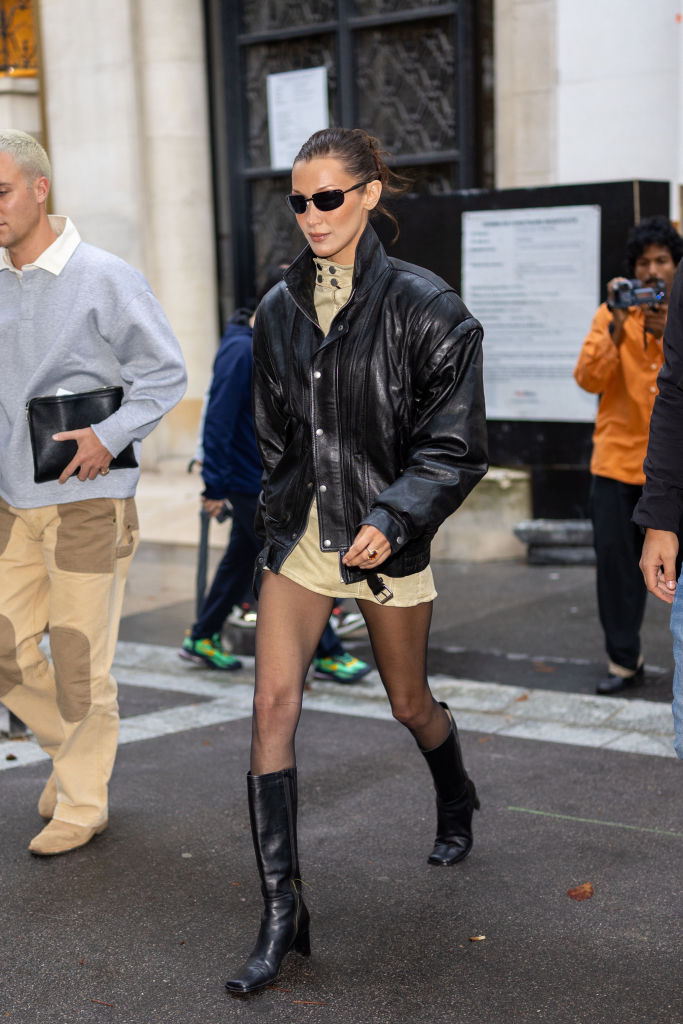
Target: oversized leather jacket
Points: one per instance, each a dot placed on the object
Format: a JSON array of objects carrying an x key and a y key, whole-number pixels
[{"x": 382, "y": 421}]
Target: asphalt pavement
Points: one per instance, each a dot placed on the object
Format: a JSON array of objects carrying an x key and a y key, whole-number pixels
[{"x": 577, "y": 791}]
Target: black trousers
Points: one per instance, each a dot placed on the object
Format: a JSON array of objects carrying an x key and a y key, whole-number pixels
[{"x": 621, "y": 588}]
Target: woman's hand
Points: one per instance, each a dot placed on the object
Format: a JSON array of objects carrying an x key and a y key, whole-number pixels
[{"x": 369, "y": 549}]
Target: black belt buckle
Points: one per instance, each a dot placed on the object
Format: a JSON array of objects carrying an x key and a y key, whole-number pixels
[{"x": 380, "y": 590}]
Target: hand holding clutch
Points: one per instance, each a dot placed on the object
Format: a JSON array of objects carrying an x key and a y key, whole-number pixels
[{"x": 50, "y": 416}]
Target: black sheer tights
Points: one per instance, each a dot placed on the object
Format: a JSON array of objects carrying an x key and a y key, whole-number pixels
[
  {"x": 290, "y": 622},
  {"x": 399, "y": 643}
]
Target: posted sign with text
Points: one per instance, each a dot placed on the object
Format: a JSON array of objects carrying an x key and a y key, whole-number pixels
[{"x": 532, "y": 277}]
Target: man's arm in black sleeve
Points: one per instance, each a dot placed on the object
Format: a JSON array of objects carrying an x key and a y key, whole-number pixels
[{"x": 661, "y": 505}]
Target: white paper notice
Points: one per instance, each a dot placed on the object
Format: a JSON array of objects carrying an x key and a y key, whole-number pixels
[
  {"x": 532, "y": 277},
  {"x": 297, "y": 107}
]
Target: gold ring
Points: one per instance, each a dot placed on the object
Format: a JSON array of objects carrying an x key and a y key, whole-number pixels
[
  {"x": 104, "y": 471},
  {"x": 372, "y": 555}
]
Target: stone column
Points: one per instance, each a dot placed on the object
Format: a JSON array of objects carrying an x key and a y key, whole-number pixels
[
  {"x": 526, "y": 92},
  {"x": 19, "y": 105},
  {"x": 125, "y": 90}
]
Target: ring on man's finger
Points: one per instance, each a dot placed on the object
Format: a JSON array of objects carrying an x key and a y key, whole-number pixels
[
  {"x": 104, "y": 470},
  {"x": 372, "y": 554}
]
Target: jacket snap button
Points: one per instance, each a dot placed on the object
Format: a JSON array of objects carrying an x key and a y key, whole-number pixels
[
  {"x": 319, "y": 432},
  {"x": 323, "y": 488},
  {"x": 317, "y": 374},
  {"x": 328, "y": 543},
  {"x": 294, "y": 536},
  {"x": 399, "y": 540}
]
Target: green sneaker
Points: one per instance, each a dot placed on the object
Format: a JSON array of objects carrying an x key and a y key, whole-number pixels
[
  {"x": 209, "y": 651},
  {"x": 344, "y": 669}
]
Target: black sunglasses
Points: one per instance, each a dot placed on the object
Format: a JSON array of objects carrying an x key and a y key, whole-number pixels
[{"x": 324, "y": 201}]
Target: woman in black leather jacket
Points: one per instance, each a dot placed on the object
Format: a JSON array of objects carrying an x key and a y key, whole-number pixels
[{"x": 370, "y": 421}]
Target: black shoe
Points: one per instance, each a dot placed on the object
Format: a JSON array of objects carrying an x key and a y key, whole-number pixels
[
  {"x": 285, "y": 921},
  {"x": 614, "y": 684},
  {"x": 454, "y": 828},
  {"x": 456, "y": 799}
]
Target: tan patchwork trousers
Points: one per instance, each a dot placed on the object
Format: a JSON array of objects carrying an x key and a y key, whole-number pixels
[{"x": 65, "y": 566}]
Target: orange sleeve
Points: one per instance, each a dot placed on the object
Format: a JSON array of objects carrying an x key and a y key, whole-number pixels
[{"x": 599, "y": 356}]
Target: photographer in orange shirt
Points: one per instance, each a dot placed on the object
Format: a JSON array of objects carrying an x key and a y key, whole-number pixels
[{"x": 619, "y": 361}]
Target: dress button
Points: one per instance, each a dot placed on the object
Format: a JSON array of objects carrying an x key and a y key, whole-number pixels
[
  {"x": 327, "y": 543},
  {"x": 653, "y": 366},
  {"x": 319, "y": 432},
  {"x": 317, "y": 374},
  {"x": 653, "y": 389},
  {"x": 294, "y": 536},
  {"x": 323, "y": 488},
  {"x": 399, "y": 540}
]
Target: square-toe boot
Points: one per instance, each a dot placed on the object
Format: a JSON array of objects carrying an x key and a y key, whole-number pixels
[
  {"x": 456, "y": 799},
  {"x": 285, "y": 919}
]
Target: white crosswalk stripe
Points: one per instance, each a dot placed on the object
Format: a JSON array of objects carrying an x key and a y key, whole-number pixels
[{"x": 633, "y": 726}]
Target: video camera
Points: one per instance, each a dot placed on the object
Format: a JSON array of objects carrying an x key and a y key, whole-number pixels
[{"x": 635, "y": 293}]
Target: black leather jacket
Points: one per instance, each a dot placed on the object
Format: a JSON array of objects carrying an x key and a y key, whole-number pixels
[{"x": 383, "y": 420}]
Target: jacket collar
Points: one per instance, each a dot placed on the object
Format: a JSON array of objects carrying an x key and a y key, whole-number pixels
[{"x": 370, "y": 263}]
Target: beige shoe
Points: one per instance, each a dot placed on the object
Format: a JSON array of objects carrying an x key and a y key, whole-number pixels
[
  {"x": 62, "y": 836},
  {"x": 48, "y": 798}
]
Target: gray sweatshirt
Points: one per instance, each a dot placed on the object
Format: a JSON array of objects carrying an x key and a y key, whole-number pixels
[{"x": 93, "y": 324}]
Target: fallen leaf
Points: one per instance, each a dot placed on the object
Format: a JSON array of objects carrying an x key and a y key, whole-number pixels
[
  {"x": 11, "y": 757},
  {"x": 483, "y": 739},
  {"x": 525, "y": 696},
  {"x": 477, "y": 938},
  {"x": 540, "y": 666},
  {"x": 581, "y": 892}
]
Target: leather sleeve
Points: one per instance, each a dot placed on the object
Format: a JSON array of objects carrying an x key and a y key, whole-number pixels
[
  {"x": 270, "y": 420},
  {"x": 448, "y": 442},
  {"x": 661, "y": 504}
]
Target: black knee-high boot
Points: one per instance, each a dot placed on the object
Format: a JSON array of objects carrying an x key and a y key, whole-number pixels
[
  {"x": 456, "y": 799},
  {"x": 285, "y": 920}
]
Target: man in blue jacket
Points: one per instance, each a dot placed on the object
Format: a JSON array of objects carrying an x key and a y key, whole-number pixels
[{"x": 231, "y": 468}]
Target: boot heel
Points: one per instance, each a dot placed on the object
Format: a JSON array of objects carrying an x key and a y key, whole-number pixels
[
  {"x": 302, "y": 943},
  {"x": 475, "y": 799}
]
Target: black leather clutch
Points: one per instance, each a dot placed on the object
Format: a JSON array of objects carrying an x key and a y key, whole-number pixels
[{"x": 51, "y": 414}]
